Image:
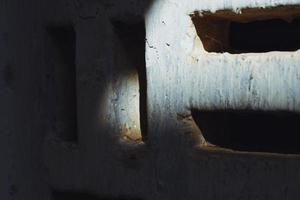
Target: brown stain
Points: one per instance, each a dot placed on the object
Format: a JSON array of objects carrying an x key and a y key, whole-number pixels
[{"x": 131, "y": 134}]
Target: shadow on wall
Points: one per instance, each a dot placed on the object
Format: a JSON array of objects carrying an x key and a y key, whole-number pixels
[
  {"x": 62, "y": 84},
  {"x": 62, "y": 89}
]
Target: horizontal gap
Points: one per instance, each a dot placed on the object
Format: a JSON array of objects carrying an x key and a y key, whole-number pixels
[
  {"x": 62, "y": 78},
  {"x": 251, "y": 131},
  {"x": 70, "y": 195},
  {"x": 252, "y": 31}
]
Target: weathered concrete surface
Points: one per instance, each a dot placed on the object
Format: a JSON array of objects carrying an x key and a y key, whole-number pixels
[
  {"x": 183, "y": 76},
  {"x": 167, "y": 165}
]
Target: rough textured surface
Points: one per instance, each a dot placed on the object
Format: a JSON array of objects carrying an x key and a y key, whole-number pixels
[
  {"x": 182, "y": 76},
  {"x": 36, "y": 164}
]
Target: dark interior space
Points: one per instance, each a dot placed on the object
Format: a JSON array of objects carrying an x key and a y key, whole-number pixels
[
  {"x": 251, "y": 131},
  {"x": 251, "y": 31},
  {"x": 265, "y": 35},
  {"x": 132, "y": 37},
  {"x": 62, "y": 78},
  {"x": 59, "y": 195}
]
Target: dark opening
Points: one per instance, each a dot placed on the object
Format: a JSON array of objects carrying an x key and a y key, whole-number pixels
[
  {"x": 252, "y": 31},
  {"x": 133, "y": 37},
  {"x": 264, "y": 36},
  {"x": 59, "y": 195},
  {"x": 62, "y": 78},
  {"x": 251, "y": 131}
]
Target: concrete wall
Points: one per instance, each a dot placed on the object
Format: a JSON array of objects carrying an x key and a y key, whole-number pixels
[{"x": 98, "y": 97}]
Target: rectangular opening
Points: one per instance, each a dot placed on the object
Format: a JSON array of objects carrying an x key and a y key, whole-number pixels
[
  {"x": 251, "y": 131},
  {"x": 252, "y": 31},
  {"x": 264, "y": 36},
  {"x": 132, "y": 39},
  {"x": 70, "y": 195},
  {"x": 62, "y": 78}
]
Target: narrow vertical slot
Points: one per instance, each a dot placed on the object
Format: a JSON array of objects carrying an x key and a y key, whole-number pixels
[
  {"x": 132, "y": 38},
  {"x": 62, "y": 73}
]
